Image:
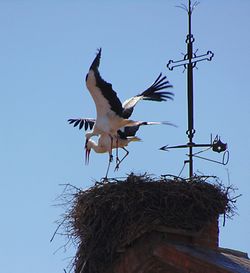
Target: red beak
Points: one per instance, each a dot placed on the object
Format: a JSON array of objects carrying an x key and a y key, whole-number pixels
[
  {"x": 87, "y": 153},
  {"x": 86, "y": 142}
]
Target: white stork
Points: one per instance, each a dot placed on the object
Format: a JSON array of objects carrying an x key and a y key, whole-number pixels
[
  {"x": 103, "y": 146},
  {"x": 111, "y": 113},
  {"x": 124, "y": 136}
]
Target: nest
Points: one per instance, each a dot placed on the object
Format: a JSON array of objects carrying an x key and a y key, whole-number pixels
[{"x": 112, "y": 214}]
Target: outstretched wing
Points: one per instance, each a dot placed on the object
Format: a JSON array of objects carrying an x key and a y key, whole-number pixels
[
  {"x": 80, "y": 122},
  {"x": 152, "y": 93},
  {"x": 129, "y": 131},
  {"x": 104, "y": 96}
]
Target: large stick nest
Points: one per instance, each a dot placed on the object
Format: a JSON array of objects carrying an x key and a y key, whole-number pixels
[{"x": 112, "y": 214}]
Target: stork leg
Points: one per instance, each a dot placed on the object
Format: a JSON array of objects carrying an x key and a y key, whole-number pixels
[
  {"x": 110, "y": 160},
  {"x": 120, "y": 161},
  {"x": 110, "y": 156},
  {"x": 117, "y": 157},
  {"x": 111, "y": 146}
]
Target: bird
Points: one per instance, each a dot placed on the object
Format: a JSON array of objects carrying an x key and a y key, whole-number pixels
[
  {"x": 111, "y": 113},
  {"x": 124, "y": 136},
  {"x": 103, "y": 146}
]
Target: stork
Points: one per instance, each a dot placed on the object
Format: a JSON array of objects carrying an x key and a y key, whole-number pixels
[
  {"x": 124, "y": 136},
  {"x": 103, "y": 146},
  {"x": 111, "y": 113}
]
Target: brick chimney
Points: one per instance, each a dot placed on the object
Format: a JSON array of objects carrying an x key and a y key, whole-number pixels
[
  {"x": 162, "y": 251},
  {"x": 176, "y": 251},
  {"x": 141, "y": 225},
  {"x": 208, "y": 236}
]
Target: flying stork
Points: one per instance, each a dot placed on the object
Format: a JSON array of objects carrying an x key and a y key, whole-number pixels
[{"x": 111, "y": 113}]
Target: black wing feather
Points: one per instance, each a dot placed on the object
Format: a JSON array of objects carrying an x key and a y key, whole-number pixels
[
  {"x": 152, "y": 93},
  {"x": 85, "y": 126},
  {"x": 91, "y": 125},
  {"x": 77, "y": 122},
  {"x": 128, "y": 131},
  {"x": 106, "y": 88},
  {"x": 87, "y": 123},
  {"x": 81, "y": 125},
  {"x": 95, "y": 64},
  {"x": 70, "y": 121}
]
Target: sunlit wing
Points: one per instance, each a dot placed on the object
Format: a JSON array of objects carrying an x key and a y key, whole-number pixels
[{"x": 104, "y": 96}]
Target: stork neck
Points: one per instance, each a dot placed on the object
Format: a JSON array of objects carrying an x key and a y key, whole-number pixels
[{"x": 96, "y": 147}]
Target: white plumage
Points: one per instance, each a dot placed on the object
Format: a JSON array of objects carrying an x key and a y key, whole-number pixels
[
  {"x": 124, "y": 136},
  {"x": 104, "y": 146},
  {"x": 111, "y": 114}
]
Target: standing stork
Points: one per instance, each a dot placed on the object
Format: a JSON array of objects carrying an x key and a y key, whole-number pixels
[
  {"x": 103, "y": 146},
  {"x": 124, "y": 136},
  {"x": 111, "y": 113}
]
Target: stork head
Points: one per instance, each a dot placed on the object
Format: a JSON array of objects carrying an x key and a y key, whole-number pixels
[{"x": 87, "y": 151}]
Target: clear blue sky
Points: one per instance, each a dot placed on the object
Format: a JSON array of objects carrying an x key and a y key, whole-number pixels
[{"x": 46, "y": 49}]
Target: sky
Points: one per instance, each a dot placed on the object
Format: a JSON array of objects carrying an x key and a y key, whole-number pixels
[{"x": 45, "y": 51}]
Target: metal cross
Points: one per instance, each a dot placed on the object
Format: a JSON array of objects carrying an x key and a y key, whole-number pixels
[
  {"x": 189, "y": 62},
  {"x": 208, "y": 56}
]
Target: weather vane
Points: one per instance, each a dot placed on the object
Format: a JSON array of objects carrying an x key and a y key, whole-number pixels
[{"x": 189, "y": 62}]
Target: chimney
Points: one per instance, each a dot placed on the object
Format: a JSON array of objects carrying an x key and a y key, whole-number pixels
[
  {"x": 141, "y": 224},
  {"x": 208, "y": 236}
]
